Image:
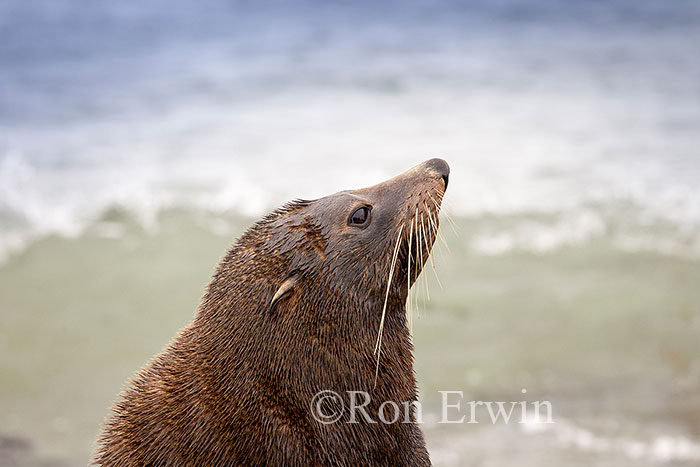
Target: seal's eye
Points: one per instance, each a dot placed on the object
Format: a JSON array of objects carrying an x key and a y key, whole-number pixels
[{"x": 360, "y": 216}]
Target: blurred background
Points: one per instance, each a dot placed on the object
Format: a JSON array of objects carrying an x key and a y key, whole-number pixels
[{"x": 139, "y": 139}]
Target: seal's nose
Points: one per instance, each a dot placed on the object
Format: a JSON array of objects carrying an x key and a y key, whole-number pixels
[{"x": 440, "y": 167}]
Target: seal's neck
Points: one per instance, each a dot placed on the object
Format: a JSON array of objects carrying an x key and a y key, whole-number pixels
[{"x": 320, "y": 336}]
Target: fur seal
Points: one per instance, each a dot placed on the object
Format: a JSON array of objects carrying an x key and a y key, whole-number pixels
[{"x": 311, "y": 298}]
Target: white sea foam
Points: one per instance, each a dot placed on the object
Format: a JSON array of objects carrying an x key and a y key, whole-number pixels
[
  {"x": 560, "y": 443},
  {"x": 570, "y": 229},
  {"x": 659, "y": 448},
  {"x": 249, "y": 117}
]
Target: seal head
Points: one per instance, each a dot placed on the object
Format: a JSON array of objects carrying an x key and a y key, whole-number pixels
[{"x": 311, "y": 298}]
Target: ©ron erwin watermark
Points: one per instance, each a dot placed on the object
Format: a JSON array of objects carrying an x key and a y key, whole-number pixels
[{"x": 329, "y": 407}]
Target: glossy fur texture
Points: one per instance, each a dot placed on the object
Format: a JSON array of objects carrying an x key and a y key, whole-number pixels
[{"x": 235, "y": 386}]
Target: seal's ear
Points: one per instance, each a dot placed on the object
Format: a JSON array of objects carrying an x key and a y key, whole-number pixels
[{"x": 284, "y": 290}]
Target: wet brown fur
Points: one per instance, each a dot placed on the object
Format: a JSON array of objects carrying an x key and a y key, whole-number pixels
[{"x": 235, "y": 386}]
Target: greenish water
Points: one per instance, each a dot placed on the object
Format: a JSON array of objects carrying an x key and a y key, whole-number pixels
[{"x": 608, "y": 336}]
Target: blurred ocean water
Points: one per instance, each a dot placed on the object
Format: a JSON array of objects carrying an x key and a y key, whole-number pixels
[
  {"x": 137, "y": 139},
  {"x": 238, "y": 106}
]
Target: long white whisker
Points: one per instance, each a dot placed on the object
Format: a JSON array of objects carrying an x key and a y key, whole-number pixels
[
  {"x": 432, "y": 261},
  {"x": 388, "y": 287},
  {"x": 440, "y": 250},
  {"x": 378, "y": 346},
  {"x": 427, "y": 250},
  {"x": 435, "y": 224},
  {"x": 422, "y": 276},
  {"x": 415, "y": 219},
  {"x": 436, "y": 227},
  {"x": 409, "y": 311},
  {"x": 447, "y": 215}
]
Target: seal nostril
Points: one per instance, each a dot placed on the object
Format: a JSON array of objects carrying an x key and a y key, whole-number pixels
[{"x": 446, "y": 179}]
